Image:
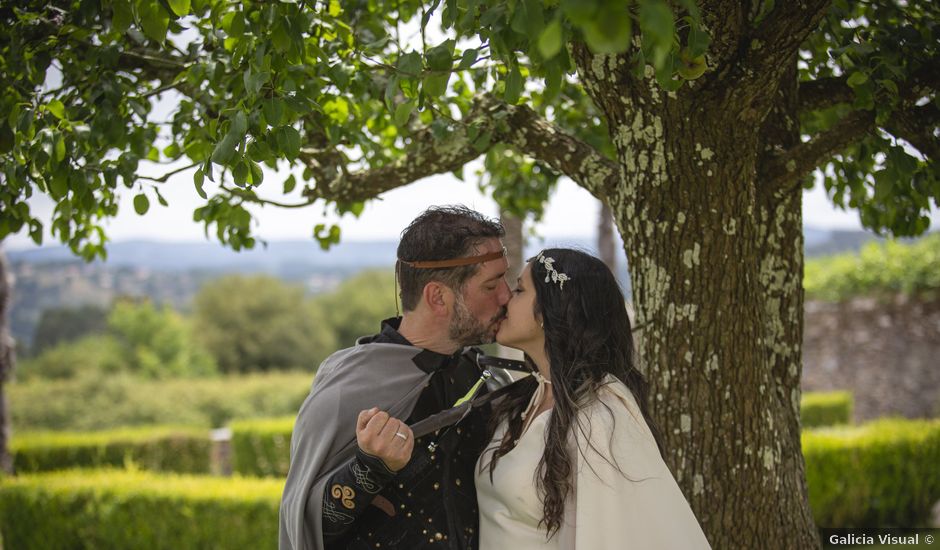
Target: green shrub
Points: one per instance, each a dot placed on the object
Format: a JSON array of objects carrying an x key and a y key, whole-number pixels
[
  {"x": 262, "y": 447},
  {"x": 97, "y": 402},
  {"x": 166, "y": 448},
  {"x": 882, "y": 474},
  {"x": 819, "y": 409},
  {"x": 98, "y": 353},
  {"x": 880, "y": 269},
  {"x": 115, "y": 509}
]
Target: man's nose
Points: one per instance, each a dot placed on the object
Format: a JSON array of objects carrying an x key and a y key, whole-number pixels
[{"x": 504, "y": 293}]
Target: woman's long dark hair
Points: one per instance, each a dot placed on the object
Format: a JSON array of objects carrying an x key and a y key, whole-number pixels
[{"x": 587, "y": 336}]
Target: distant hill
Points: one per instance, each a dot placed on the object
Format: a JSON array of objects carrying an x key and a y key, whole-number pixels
[{"x": 52, "y": 277}]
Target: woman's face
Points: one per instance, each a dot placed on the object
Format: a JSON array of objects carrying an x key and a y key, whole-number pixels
[{"x": 520, "y": 329}]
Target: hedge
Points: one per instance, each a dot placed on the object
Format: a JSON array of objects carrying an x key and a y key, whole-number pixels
[
  {"x": 880, "y": 270},
  {"x": 177, "y": 449},
  {"x": 882, "y": 474},
  {"x": 103, "y": 401},
  {"x": 115, "y": 509},
  {"x": 818, "y": 409},
  {"x": 262, "y": 447}
]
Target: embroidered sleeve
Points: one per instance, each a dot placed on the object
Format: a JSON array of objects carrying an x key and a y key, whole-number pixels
[{"x": 350, "y": 491}]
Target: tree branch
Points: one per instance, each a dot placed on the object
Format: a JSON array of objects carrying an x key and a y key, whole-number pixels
[
  {"x": 790, "y": 166},
  {"x": 782, "y": 31},
  {"x": 489, "y": 121},
  {"x": 823, "y": 93},
  {"x": 917, "y": 126},
  {"x": 827, "y": 92},
  {"x": 531, "y": 134}
]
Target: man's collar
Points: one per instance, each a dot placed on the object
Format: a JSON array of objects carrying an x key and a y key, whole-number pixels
[{"x": 428, "y": 361}]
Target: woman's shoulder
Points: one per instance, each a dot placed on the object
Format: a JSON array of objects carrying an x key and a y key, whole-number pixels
[{"x": 612, "y": 410}]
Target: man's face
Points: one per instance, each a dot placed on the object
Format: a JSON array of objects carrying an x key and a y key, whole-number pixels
[{"x": 481, "y": 305}]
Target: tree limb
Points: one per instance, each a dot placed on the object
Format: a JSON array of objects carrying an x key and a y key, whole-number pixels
[
  {"x": 917, "y": 126},
  {"x": 531, "y": 134},
  {"x": 489, "y": 121},
  {"x": 791, "y": 165},
  {"x": 829, "y": 91},
  {"x": 823, "y": 93}
]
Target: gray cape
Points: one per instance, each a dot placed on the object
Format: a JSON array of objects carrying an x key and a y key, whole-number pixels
[{"x": 324, "y": 438}]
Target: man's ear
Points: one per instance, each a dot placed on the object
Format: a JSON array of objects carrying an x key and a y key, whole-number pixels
[{"x": 439, "y": 298}]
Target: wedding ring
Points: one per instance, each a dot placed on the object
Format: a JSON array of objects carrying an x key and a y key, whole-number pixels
[{"x": 401, "y": 435}]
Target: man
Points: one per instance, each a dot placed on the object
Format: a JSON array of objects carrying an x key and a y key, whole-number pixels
[{"x": 358, "y": 478}]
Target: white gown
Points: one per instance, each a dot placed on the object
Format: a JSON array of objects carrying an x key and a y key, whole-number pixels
[{"x": 640, "y": 508}]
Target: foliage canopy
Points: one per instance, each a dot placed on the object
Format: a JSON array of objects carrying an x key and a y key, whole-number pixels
[{"x": 367, "y": 96}]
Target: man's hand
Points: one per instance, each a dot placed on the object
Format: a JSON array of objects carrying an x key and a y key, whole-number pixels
[{"x": 387, "y": 438}]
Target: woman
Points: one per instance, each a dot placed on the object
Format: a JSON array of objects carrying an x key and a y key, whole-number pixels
[{"x": 575, "y": 461}]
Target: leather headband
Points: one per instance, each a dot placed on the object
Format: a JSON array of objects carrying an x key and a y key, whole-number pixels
[{"x": 456, "y": 262}]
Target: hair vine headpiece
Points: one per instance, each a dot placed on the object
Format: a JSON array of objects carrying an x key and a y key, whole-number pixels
[{"x": 551, "y": 273}]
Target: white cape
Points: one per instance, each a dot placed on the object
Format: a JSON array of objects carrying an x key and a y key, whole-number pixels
[{"x": 638, "y": 506}]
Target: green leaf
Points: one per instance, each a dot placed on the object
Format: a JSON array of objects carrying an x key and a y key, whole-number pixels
[
  {"x": 609, "y": 31},
  {"x": 121, "y": 16},
  {"x": 288, "y": 141},
  {"x": 435, "y": 85},
  {"x": 409, "y": 64},
  {"x": 153, "y": 19},
  {"x": 289, "y": 184},
  {"x": 273, "y": 110},
  {"x": 403, "y": 113},
  {"x": 239, "y": 125},
  {"x": 240, "y": 174},
  {"x": 225, "y": 149},
  {"x": 468, "y": 58},
  {"x": 550, "y": 40},
  {"x": 141, "y": 204},
  {"x": 257, "y": 175},
  {"x": 440, "y": 57},
  {"x": 57, "y": 109},
  {"x": 172, "y": 151},
  {"x": 59, "y": 148},
  {"x": 179, "y": 7},
  {"x": 857, "y": 79},
  {"x": 513, "y": 85},
  {"x": 255, "y": 82},
  {"x": 198, "y": 179}
]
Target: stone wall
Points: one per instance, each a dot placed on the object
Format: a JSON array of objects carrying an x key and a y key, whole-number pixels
[{"x": 886, "y": 354}]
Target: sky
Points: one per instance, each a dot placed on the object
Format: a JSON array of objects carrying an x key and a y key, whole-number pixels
[{"x": 572, "y": 212}]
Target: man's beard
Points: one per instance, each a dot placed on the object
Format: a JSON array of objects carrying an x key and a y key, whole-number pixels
[{"x": 466, "y": 330}]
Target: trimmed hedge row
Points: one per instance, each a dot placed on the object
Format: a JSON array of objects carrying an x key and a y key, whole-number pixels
[
  {"x": 818, "y": 409},
  {"x": 882, "y": 474},
  {"x": 115, "y": 509},
  {"x": 165, "y": 448},
  {"x": 262, "y": 447}
]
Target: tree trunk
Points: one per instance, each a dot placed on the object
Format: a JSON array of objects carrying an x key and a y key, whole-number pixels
[
  {"x": 606, "y": 245},
  {"x": 7, "y": 362},
  {"x": 514, "y": 242},
  {"x": 721, "y": 347}
]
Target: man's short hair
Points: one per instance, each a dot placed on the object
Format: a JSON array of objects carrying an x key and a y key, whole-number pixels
[{"x": 441, "y": 233}]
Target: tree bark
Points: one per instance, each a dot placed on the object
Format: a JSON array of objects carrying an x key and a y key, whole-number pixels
[
  {"x": 606, "y": 245},
  {"x": 514, "y": 242},
  {"x": 7, "y": 363},
  {"x": 720, "y": 347}
]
